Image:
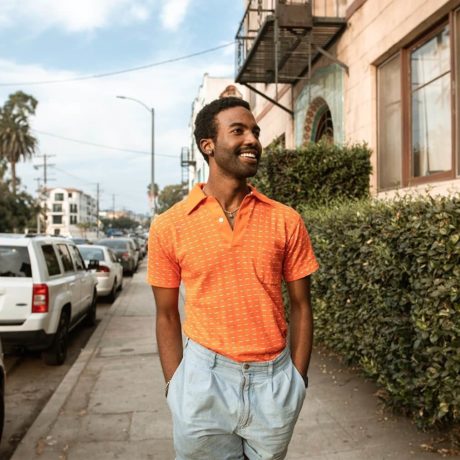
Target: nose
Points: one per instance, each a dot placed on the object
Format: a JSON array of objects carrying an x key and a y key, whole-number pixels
[{"x": 251, "y": 139}]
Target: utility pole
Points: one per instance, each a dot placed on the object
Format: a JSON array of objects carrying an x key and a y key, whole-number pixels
[
  {"x": 97, "y": 210},
  {"x": 38, "y": 179},
  {"x": 45, "y": 165},
  {"x": 113, "y": 208}
]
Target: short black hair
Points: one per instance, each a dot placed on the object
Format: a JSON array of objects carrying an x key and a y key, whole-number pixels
[{"x": 205, "y": 122}]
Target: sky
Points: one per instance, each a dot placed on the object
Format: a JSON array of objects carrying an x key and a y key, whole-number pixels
[{"x": 49, "y": 47}]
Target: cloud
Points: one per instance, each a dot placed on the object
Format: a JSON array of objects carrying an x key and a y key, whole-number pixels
[
  {"x": 173, "y": 13},
  {"x": 74, "y": 15},
  {"x": 88, "y": 110}
]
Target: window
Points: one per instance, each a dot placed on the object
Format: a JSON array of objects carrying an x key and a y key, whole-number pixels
[
  {"x": 57, "y": 219},
  {"x": 70, "y": 194},
  {"x": 73, "y": 207},
  {"x": 416, "y": 112},
  {"x": 57, "y": 207},
  {"x": 51, "y": 260},
  {"x": 15, "y": 262},
  {"x": 65, "y": 257},
  {"x": 77, "y": 258},
  {"x": 73, "y": 220},
  {"x": 58, "y": 197}
]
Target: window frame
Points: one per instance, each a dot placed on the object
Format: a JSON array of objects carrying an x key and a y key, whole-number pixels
[{"x": 404, "y": 53}]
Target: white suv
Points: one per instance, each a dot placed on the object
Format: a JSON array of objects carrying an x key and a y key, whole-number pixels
[{"x": 45, "y": 291}]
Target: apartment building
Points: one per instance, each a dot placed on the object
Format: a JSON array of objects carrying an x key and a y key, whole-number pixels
[
  {"x": 384, "y": 72},
  {"x": 211, "y": 88},
  {"x": 70, "y": 212}
]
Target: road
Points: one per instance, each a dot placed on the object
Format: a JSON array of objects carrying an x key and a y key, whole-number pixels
[{"x": 30, "y": 383}]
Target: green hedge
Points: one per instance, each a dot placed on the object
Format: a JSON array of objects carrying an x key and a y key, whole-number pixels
[
  {"x": 315, "y": 174},
  {"x": 387, "y": 297}
]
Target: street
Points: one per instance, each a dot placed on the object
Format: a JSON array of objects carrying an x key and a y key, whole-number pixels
[{"x": 30, "y": 382}]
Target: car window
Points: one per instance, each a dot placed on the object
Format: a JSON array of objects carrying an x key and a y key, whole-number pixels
[
  {"x": 77, "y": 258},
  {"x": 51, "y": 260},
  {"x": 65, "y": 257},
  {"x": 114, "y": 244},
  {"x": 92, "y": 253},
  {"x": 15, "y": 262}
]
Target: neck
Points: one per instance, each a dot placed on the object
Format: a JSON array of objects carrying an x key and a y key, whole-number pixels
[{"x": 229, "y": 193}]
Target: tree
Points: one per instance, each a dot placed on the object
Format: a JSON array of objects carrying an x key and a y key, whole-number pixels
[
  {"x": 170, "y": 195},
  {"x": 16, "y": 141},
  {"x": 17, "y": 211}
]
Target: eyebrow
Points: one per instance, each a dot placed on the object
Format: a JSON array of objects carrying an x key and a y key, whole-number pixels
[{"x": 237, "y": 123}]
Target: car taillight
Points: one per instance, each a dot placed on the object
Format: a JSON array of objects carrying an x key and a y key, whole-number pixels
[
  {"x": 40, "y": 298},
  {"x": 103, "y": 269},
  {"x": 125, "y": 255}
]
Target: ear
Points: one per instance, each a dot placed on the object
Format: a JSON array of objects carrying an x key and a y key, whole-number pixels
[{"x": 207, "y": 146}]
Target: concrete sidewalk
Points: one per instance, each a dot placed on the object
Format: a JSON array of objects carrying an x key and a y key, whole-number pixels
[{"x": 111, "y": 404}]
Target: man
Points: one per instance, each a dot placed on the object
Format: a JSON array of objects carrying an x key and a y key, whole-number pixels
[{"x": 236, "y": 389}]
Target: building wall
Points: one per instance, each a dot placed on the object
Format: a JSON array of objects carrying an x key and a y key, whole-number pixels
[
  {"x": 77, "y": 208},
  {"x": 376, "y": 30}
]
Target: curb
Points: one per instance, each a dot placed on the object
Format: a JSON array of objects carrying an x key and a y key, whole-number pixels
[{"x": 49, "y": 414}]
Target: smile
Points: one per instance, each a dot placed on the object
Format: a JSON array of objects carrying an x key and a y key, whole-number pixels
[{"x": 251, "y": 155}]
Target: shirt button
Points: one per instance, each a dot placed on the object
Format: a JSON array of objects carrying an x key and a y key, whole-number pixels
[
  {"x": 221, "y": 219},
  {"x": 246, "y": 367}
]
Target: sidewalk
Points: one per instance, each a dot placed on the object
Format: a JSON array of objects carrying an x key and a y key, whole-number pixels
[{"x": 111, "y": 403}]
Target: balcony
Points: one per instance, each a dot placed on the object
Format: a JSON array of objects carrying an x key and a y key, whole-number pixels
[{"x": 279, "y": 40}]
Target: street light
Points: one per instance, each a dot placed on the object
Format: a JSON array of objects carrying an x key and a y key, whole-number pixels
[{"x": 152, "y": 166}]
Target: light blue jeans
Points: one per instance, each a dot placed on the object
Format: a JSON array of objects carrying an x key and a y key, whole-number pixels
[{"x": 223, "y": 409}]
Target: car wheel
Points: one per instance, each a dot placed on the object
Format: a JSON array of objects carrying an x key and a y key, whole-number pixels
[
  {"x": 56, "y": 354},
  {"x": 113, "y": 293},
  {"x": 90, "y": 319}
]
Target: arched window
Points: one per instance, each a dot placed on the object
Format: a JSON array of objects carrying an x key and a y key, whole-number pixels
[{"x": 319, "y": 123}]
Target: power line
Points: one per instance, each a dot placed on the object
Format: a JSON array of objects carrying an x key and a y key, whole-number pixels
[
  {"x": 118, "y": 72},
  {"x": 92, "y": 144}
]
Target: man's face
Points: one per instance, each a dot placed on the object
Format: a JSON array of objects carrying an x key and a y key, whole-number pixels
[{"x": 237, "y": 148}]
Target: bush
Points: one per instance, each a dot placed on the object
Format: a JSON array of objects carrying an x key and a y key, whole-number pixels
[
  {"x": 387, "y": 297},
  {"x": 315, "y": 174}
]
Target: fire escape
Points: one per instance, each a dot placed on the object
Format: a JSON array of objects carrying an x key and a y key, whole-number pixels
[{"x": 279, "y": 41}]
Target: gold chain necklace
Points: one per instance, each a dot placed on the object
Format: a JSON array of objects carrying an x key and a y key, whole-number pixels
[{"x": 231, "y": 214}]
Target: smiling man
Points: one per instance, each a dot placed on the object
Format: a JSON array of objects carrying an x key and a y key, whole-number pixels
[{"x": 236, "y": 389}]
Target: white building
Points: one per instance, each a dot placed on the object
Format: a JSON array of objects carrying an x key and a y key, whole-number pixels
[
  {"x": 70, "y": 212},
  {"x": 211, "y": 88}
]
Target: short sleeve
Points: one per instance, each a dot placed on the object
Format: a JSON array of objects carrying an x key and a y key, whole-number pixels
[
  {"x": 163, "y": 269},
  {"x": 299, "y": 260}
]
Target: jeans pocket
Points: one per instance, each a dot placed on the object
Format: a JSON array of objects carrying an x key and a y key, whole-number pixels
[{"x": 174, "y": 378}]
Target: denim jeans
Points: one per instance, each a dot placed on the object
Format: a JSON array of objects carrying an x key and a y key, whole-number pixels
[{"x": 223, "y": 409}]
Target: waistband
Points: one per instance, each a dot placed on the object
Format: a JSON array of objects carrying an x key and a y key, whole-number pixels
[{"x": 216, "y": 360}]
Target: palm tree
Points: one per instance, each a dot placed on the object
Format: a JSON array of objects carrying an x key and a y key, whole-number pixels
[{"x": 16, "y": 141}]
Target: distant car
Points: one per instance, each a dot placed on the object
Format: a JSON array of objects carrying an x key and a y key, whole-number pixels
[
  {"x": 109, "y": 271},
  {"x": 45, "y": 291},
  {"x": 78, "y": 240},
  {"x": 2, "y": 391},
  {"x": 125, "y": 249}
]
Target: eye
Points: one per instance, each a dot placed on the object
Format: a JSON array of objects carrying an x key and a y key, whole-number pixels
[{"x": 237, "y": 130}]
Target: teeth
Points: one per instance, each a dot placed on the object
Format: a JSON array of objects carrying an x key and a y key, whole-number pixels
[{"x": 248, "y": 155}]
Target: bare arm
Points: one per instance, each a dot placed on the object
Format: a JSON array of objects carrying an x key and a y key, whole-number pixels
[
  {"x": 168, "y": 329},
  {"x": 301, "y": 324}
]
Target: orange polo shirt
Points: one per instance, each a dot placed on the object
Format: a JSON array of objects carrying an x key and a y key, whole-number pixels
[{"x": 233, "y": 277}]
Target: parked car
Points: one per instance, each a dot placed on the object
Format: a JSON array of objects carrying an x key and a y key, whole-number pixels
[
  {"x": 2, "y": 391},
  {"x": 125, "y": 249},
  {"x": 45, "y": 291},
  {"x": 109, "y": 270}
]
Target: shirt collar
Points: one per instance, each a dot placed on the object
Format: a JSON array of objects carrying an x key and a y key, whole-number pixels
[{"x": 196, "y": 196}]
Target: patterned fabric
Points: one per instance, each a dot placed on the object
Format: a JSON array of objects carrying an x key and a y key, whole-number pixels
[{"x": 233, "y": 277}]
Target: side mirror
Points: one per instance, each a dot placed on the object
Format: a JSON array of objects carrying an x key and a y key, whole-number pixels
[{"x": 93, "y": 264}]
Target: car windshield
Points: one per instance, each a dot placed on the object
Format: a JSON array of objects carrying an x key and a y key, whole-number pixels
[
  {"x": 114, "y": 244},
  {"x": 15, "y": 262},
  {"x": 92, "y": 253}
]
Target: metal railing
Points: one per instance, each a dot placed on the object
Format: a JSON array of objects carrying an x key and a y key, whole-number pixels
[{"x": 257, "y": 12}]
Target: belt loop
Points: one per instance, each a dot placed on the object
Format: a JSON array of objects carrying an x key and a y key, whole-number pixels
[
  {"x": 213, "y": 361},
  {"x": 270, "y": 369}
]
